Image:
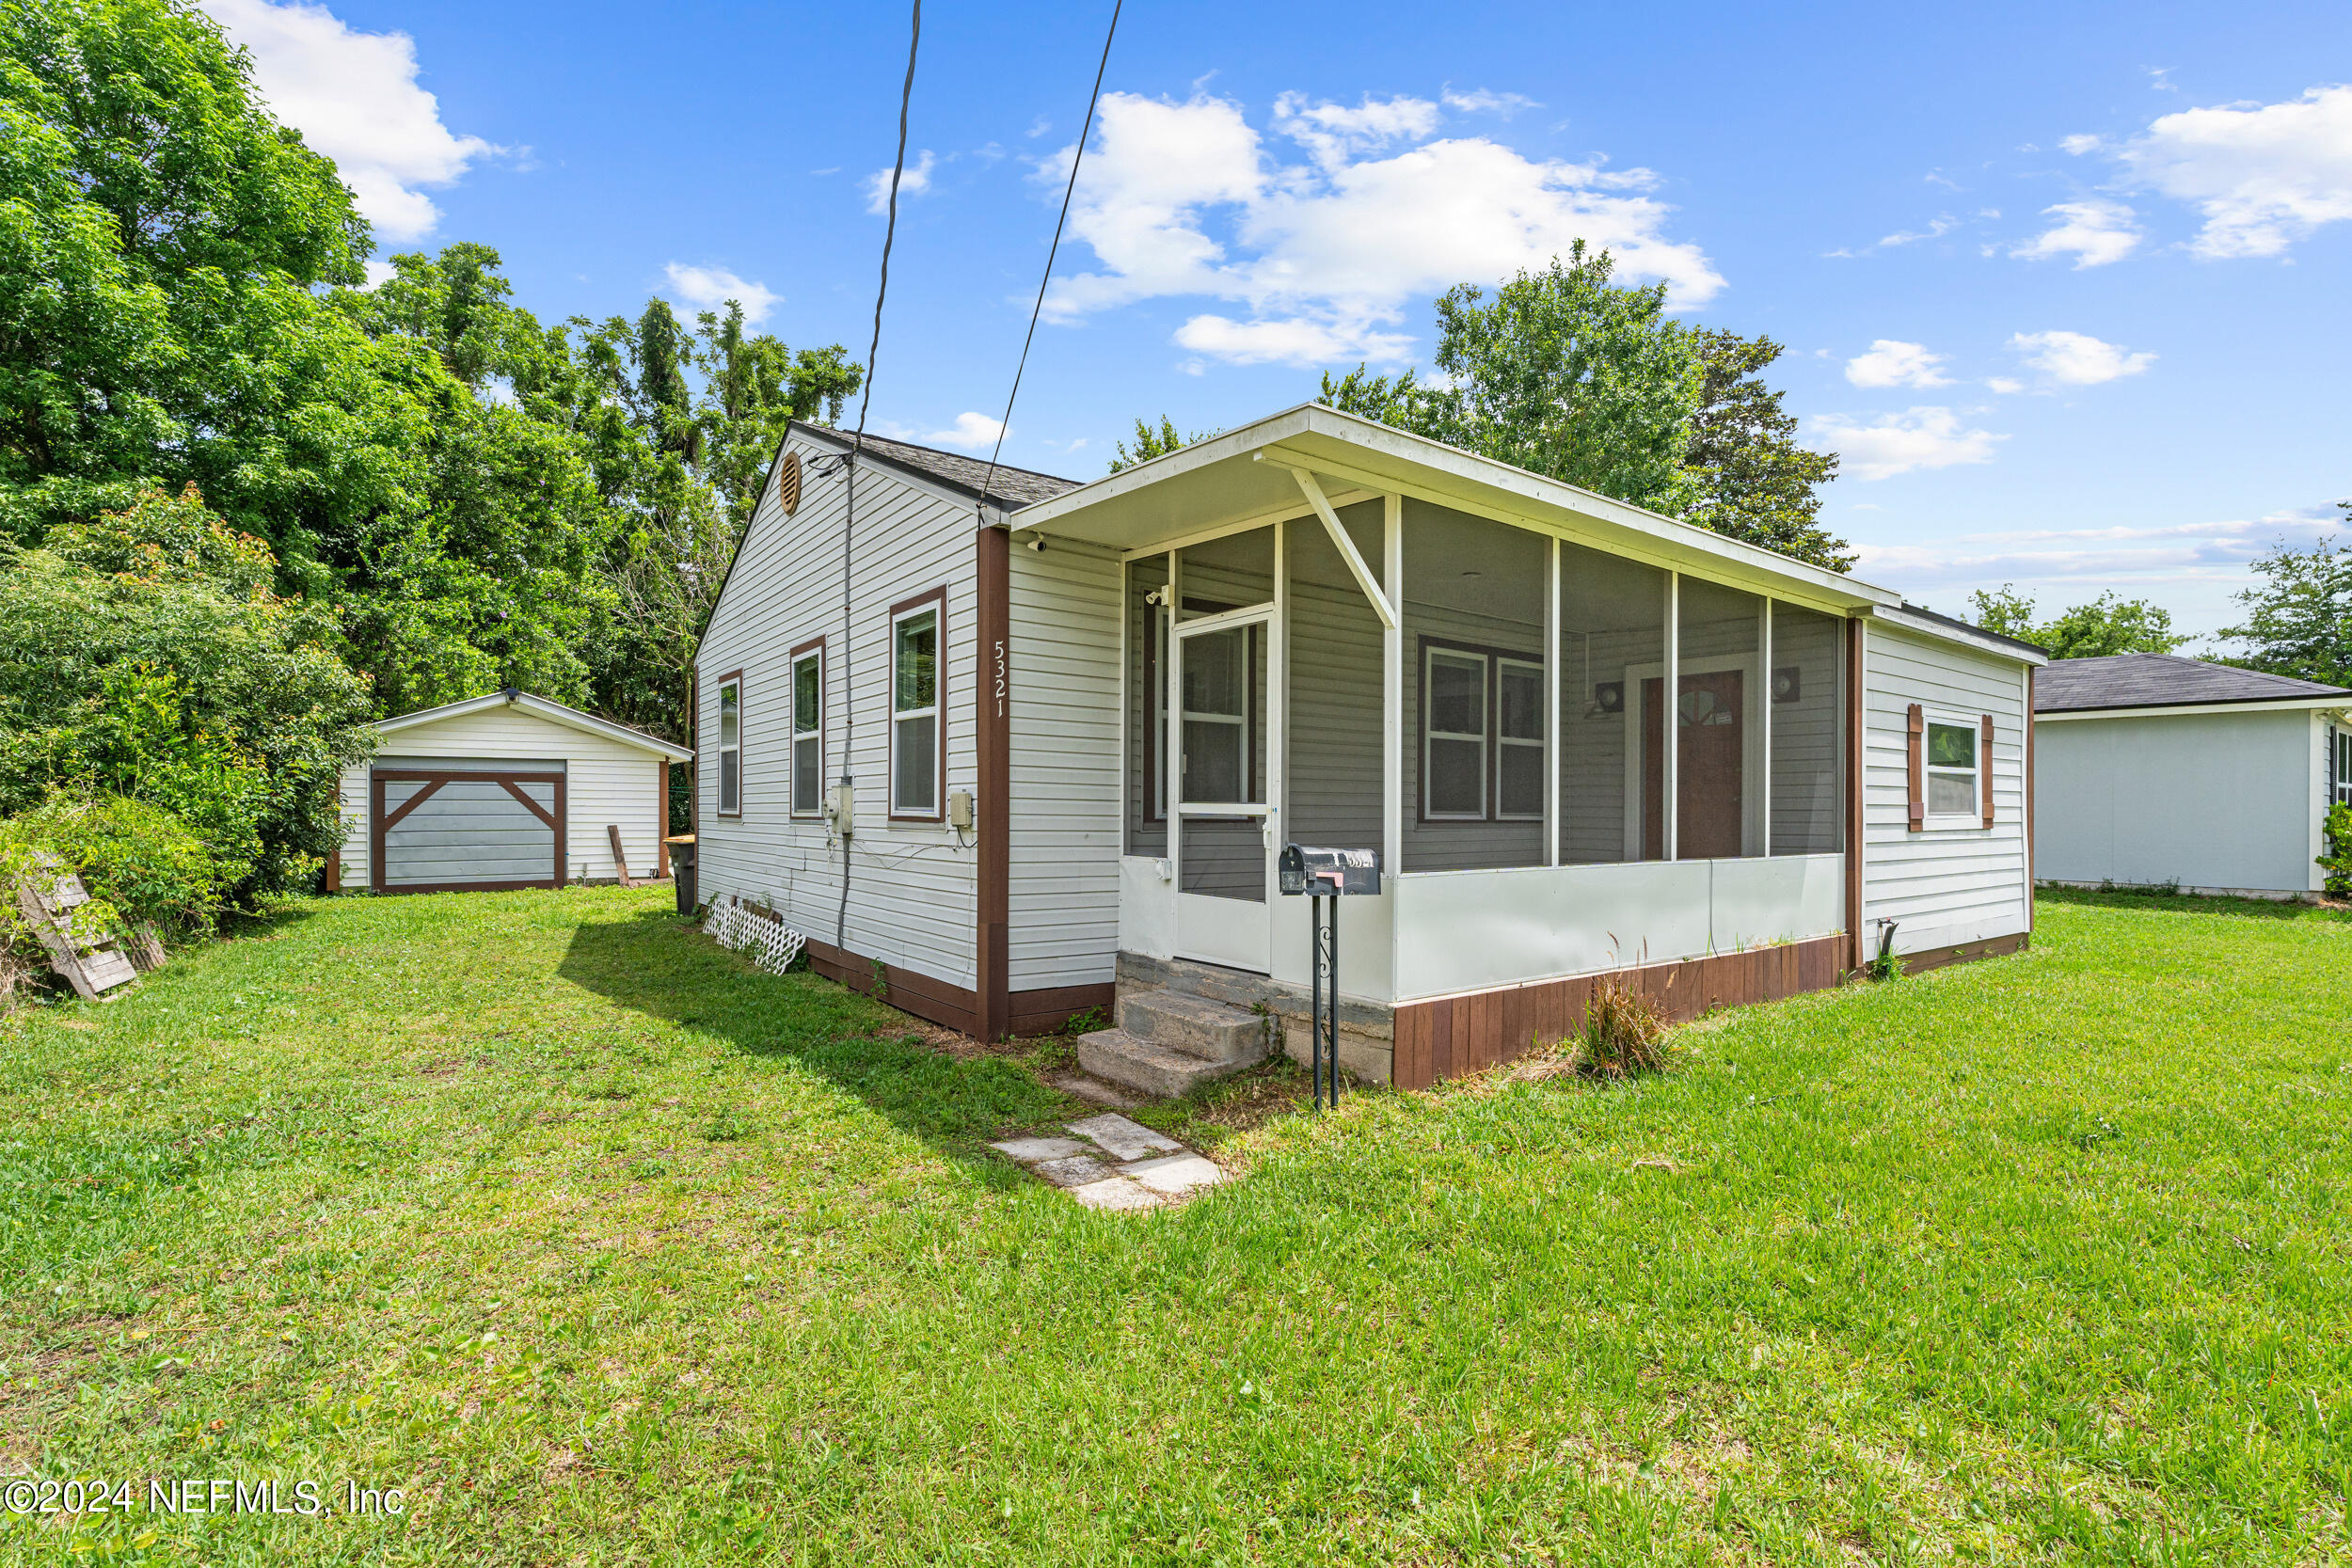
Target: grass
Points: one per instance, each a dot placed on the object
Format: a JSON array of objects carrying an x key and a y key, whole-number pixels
[{"x": 606, "y": 1248}]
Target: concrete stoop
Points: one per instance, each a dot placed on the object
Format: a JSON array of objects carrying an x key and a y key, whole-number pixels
[{"x": 1166, "y": 1042}]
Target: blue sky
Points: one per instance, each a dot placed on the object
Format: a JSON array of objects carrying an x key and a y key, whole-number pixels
[{"x": 2064, "y": 284}]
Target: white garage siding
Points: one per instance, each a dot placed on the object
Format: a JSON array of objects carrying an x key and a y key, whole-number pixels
[
  {"x": 912, "y": 886},
  {"x": 1065, "y": 827},
  {"x": 1947, "y": 886},
  {"x": 606, "y": 782}
]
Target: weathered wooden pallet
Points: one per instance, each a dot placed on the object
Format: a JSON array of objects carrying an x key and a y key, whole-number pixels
[{"x": 93, "y": 968}]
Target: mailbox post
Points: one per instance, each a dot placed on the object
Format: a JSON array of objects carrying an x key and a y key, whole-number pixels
[{"x": 1326, "y": 875}]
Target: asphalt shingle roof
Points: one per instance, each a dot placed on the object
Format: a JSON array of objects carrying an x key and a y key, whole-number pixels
[
  {"x": 2160, "y": 680},
  {"x": 1011, "y": 487}
]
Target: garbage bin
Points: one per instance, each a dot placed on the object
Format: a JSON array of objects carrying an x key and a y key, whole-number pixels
[{"x": 682, "y": 871}]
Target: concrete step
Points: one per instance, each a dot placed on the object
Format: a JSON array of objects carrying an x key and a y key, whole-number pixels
[
  {"x": 1212, "y": 1031},
  {"x": 1143, "y": 1065}
]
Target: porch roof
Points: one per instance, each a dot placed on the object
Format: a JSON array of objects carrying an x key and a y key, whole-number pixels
[{"x": 1243, "y": 478}]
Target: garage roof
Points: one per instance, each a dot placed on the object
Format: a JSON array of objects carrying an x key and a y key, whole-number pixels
[
  {"x": 555, "y": 712},
  {"x": 2168, "y": 680}
]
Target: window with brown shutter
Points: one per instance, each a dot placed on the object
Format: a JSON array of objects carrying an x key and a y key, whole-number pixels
[
  {"x": 1917, "y": 747},
  {"x": 1984, "y": 775}
]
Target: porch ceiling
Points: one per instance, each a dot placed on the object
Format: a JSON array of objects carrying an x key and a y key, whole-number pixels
[{"x": 1245, "y": 475}]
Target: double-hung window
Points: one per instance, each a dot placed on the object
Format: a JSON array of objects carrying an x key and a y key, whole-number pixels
[
  {"x": 808, "y": 729},
  {"x": 1518, "y": 740},
  {"x": 1953, "y": 761},
  {"x": 1482, "y": 736},
  {"x": 731, "y": 745},
  {"x": 915, "y": 782},
  {"x": 2343, "y": 767}
]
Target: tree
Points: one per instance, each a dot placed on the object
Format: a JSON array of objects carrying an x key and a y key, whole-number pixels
[
  {"x": 1562, "y": 372},
  {"x": 146, "y": 655},
  {"x": 2107, "y": 625},
  {"x": 1755, "y": 483},
  {"x": 1150, "y": 443},
  {"x": 2299, "y": 619}
]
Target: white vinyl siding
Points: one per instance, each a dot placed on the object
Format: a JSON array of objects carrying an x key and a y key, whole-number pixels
[
  {"x": 1964, "y": 883},
  {"x": 1063, "y": 670},
  {"x": 911, "y": 887},
  {"x": 607, "y": 783}
]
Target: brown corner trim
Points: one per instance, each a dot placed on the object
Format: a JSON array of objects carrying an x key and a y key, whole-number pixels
[{"x": 992, "y": 693}]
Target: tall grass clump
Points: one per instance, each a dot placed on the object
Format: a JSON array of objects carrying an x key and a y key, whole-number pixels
[{"x": 1624, "y": 1036}]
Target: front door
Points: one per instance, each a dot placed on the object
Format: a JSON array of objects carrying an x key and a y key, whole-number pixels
[
  {"x": 1710, "y": 800},
  {"x": 1223, "y": 859}
]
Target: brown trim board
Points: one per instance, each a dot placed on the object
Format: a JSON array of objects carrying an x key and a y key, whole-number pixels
[
  {"x": 992, "y": 812},
  {"x": 1045, "y": 1011},
  {"x": 910, "y": 992}
]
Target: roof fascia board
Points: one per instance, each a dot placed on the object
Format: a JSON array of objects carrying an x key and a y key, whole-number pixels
[
  {"x": 1897, "y": 615},
  {"x": 1184, "y": 460},
  {"x": 1289, "y": 514},
  {"x": 942, "y": 489},
  {"x": 2335, "y": 701},
  {"x": 554, "y": 712}
]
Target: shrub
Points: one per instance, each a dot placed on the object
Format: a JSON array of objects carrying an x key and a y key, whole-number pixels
[
  {"x": 1623, "y": 1033},
  {"x": 143, "y": 864},
  {"x": 2337, "y": 862},
  {"x": 144, "y": 655}
]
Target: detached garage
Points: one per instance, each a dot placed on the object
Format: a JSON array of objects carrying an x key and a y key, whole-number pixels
[{"x": 503, "y": 791}]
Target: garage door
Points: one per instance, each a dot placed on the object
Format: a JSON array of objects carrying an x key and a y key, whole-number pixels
[{"x": 442, "y": 830}]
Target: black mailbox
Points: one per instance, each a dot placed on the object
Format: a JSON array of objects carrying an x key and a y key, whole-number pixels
[{"x": 1328, "y": 873}]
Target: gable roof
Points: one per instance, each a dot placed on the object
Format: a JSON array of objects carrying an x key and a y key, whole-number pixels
[
  {"x": 1011, "y": 487},
  {"x": 2167, "y": 680},
  {"x": 571, "y": 718}
]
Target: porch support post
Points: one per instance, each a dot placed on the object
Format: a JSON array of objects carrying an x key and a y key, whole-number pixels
[
  {"x": 1392, "y": 689},
  {"x": 1271, "y": 831},
  {"x": 1552, "y": 707},
  {"x": 1764, "y": 805},
  {"x": 1172, "y": 765},
  {"x": 1670, "y": 721}
]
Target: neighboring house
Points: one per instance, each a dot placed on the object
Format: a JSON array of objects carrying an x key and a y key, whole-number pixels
[
  {"x": 2156, "y": 770},
  {"x": 503, "y": 791},
  {"x": 1017, "y": 756}
]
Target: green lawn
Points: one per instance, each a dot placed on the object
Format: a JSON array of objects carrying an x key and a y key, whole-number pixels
[{"x": 608, "y": 1250}]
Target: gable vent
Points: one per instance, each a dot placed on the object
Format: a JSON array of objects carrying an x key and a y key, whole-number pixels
[{"x": 788, "y": 483}]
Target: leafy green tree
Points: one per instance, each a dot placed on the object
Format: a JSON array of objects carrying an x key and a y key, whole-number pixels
[
  {"x": 146, "y": 655},
  {"x": 2299, "y": 617},
  {"x": 1561, "y": 373},
  {"x": 2107, "y": 625},
  {"x": 1150, "y": 443},
  {"x": 1757, "y": 484}
]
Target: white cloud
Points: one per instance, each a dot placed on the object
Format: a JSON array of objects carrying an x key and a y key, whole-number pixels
[
  {"x": 2263, "y": 175},
  {"x": 913, "y": 180},
  {"x": 970, "y": 431},
  {"x": 1890, "y": 363},
  {"x": 709, "y": 288},
  {"x": 1188, "y": 199},
  {"x": 2094, "y": 231},
  {"x": 1941, "y": 225},
  {"x": 1895, "y": 444},
  {"x": 353, "y": 96},
  {"x": 1482, "y": 101},
  {"x": 2077, "y": 359},
  {"x": 2005, "y": 384}
]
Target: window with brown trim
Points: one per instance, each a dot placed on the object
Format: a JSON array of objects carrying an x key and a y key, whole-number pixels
[
  {"x": 918, "y": 634},
  {"x": 730, "y": 747},
  {"x": 1954, "y": 758},
  {"x": 808, "y": 729}
]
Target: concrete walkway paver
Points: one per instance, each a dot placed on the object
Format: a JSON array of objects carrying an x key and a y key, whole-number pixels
[{"x": 1119, "y": 1165}]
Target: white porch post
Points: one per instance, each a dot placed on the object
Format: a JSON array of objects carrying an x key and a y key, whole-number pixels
[
  {"x": 1393, "y": 687},
  {"x": 1670, "y": 721},
  {"x": 1172, "y": 763},
  {"x": 1764, "y": 812},
  {"x": 1277, "y": 637},
  {"x": 1551, "y": 707}
]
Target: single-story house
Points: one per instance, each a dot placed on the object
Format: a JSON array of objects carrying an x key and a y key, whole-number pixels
[
  {"x": 2157, "y": 769},
  {"x": 504, "y": 791},
  {"x": 1019, "y": 755}
]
